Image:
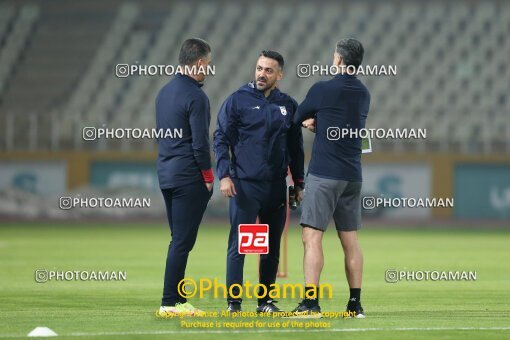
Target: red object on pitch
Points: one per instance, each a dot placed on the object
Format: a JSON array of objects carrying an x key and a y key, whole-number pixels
[{"x": 253, "y": 239}]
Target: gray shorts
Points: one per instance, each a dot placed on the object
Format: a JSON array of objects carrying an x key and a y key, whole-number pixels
[{"x": 325, "y": 198}]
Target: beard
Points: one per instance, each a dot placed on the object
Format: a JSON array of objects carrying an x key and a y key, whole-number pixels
[{"x": 263, "y": 83}]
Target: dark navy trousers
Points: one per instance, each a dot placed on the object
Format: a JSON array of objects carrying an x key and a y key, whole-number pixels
[
  {"x": 266, "y": 200},
  {"x": 185, "y": 207}
]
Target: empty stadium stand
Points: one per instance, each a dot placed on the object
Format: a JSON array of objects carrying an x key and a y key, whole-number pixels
[{"x": 57, "y": 64}]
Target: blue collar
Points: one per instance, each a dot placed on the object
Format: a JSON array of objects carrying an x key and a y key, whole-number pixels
[
  {"x": 184, "y": 76},
  {"x": 344, "y": 75}
]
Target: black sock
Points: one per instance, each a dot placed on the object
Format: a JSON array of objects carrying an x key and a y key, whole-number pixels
[
  {"x": 311, "y": 302},
  {"x": 355, "y": 295},
  {"x": 264, "y": 298}
]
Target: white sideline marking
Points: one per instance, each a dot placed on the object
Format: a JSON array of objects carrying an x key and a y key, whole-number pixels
[
  {"x": 238, "y": 331},
  {"x": 277, "y": 331}
]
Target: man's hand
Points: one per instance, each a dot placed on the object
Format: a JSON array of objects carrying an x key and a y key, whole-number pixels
[
  {"x": 299, "y": 193},
  {"x": 309, "y": 124},
  {"x": 227, "y": 187},
  {"x": 209, "y": 186}
]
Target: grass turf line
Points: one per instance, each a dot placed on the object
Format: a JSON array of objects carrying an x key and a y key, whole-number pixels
[{"x": 128, "y": 307}]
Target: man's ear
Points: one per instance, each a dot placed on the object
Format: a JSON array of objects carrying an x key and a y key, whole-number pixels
[
  {"x": 339, "y": 59},
  {"x": 280, "y": 75}
]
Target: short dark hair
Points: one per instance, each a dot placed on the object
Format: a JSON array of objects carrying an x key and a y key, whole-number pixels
[
  {"x": 273, "y": 55},
  {"x": 351, "y": 51},
  {"x": 192, "y": 50}
]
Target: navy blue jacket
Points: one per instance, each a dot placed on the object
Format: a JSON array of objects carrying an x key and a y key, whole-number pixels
[
  {"x": 182, "y": 105},
  {"x": 255, "y": 137},
  {"x": 341, "y": 102}
]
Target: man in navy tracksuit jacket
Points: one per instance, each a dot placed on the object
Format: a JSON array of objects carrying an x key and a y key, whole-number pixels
[
  {"x": 184, "y": 166},
  {"x": 255, "y": 142}
]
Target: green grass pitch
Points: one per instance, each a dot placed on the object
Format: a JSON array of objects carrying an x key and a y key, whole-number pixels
[{"x": 479, "y": 309}]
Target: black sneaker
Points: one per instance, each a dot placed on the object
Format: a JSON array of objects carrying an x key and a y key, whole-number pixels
[
  {"x": 354, "y": 309},
  {"x": 303, "y": 311},
  {"x": 233, "y": 307},
  {"x": 268, "y": 307}
]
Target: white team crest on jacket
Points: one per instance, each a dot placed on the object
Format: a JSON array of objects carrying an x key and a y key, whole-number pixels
[{"x": 283, "y": 110}]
